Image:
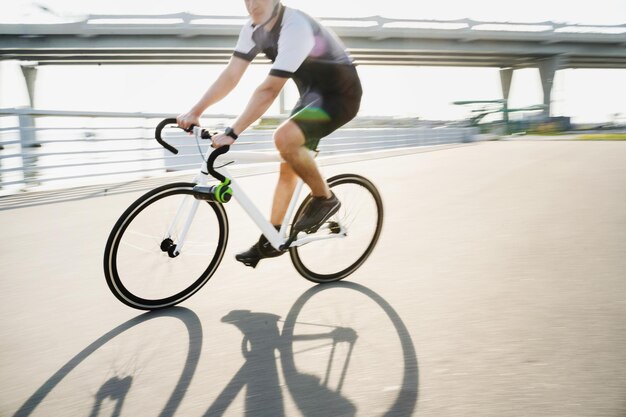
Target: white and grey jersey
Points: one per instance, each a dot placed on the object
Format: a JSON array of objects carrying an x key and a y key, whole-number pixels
[{"x": 299, "y": 48}]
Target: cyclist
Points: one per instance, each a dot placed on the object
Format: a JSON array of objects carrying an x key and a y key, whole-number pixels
[{"x": 302, "y": 49}]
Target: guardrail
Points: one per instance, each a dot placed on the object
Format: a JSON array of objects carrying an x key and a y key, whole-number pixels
[
  {"x": 42, "y": 149},
  {"x": 39, "y": 148}
]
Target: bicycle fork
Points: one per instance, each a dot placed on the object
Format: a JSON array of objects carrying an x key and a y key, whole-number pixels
[{"x": 172, "y": 248}]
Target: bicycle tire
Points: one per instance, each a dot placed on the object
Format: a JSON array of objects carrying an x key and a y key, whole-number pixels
[
  {"x": 311, "y": 261},
  {"x": 126, "y": 261}
]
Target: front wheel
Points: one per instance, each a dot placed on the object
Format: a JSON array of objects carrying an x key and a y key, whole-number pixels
[
  {"x": 358, "y": 224},
  {"x": 144, "y": 264}
]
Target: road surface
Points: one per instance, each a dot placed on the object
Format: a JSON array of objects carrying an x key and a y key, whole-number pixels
[{"x": 498, "y": 288}]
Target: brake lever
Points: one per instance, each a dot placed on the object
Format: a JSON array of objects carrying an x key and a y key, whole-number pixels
[{"x": 199, "y": 132}]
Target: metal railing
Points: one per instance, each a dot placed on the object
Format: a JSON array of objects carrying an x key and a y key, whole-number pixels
[
  {"x": 60, "y": 149},
  {"x": 67, "y": 148}
]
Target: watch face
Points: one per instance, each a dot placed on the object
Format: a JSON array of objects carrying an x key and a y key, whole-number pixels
[{"x": 229, "y": 132}]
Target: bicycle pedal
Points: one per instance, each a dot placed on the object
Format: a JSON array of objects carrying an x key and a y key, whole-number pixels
[
  {"x": 311, "y": 230},
  {"x": 250, "y": 263},
  {"x": 334, "y": 227}
]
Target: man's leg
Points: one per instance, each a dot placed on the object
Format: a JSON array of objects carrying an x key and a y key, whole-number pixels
[
  {"x": 287, "y": 181},
  {"x": 285, "y": 187},
  {"x": 290, "y": 142}
]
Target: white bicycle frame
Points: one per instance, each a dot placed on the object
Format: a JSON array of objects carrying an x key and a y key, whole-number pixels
[{"x": 275, "y": 238}]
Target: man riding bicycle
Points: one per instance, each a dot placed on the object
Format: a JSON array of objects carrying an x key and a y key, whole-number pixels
[{"x": 330, "y": 94}]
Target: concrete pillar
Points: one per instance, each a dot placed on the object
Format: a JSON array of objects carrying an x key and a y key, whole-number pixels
[
  {"x": 30, "y": 75},
  {"x": 506, "y": 76},
  {"x": 27, "y": 123},
  {"x": 1, "y": 104},
  {"x": 547, "y": 70},
  {"x": 1, "y": 122},
  {"x": 28, "y": 136}
]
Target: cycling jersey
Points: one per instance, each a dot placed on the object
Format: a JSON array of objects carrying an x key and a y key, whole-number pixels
[{"x": 302, "y": 49}]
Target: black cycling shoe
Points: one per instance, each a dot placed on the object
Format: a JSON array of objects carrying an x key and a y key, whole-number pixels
[
  {"x": 260, "y": 250},
  {"x": 317, "y": 211}
]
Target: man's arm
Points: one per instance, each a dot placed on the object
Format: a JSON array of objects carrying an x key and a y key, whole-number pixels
[
  {"x": 223, "y": 85},
  {"x": 261, "y": 100}
]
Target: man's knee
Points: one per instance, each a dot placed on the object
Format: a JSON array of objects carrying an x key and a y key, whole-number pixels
[{"x": 288, "y": 138}]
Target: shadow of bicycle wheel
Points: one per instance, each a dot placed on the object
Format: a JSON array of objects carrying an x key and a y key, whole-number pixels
[
  {"x": 116, "y": 389},
  {"x": 300, "y": 384}
]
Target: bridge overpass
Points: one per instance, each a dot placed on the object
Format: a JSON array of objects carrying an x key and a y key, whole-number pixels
[{"x": 184, "y": 38}]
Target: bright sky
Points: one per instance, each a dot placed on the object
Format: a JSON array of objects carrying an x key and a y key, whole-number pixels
[
  {"x": 569, "y": 11},
  {"x": 586, "y": 95}
]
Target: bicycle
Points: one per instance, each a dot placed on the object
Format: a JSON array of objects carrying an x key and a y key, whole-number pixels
[{"x": 154, "y": 259}]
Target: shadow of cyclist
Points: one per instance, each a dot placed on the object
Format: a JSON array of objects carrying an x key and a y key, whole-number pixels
[
  {"x": 259, "y": 374},
  {"x": 116, "y": 389},
  {"x": 262, "y": 339}
]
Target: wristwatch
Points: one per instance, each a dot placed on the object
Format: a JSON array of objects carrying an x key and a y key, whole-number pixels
[{"x": 230, "y": 132}]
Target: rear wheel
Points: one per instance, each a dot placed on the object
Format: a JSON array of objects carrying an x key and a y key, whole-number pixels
[
  {"x": 359, "y": 222},
  {"x": 144, "y": 265}
]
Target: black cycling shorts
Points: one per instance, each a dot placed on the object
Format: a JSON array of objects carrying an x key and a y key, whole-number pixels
[{"x": 319, "y": 113}]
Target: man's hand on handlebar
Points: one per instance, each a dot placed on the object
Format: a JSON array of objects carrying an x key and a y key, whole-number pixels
[
  {"x": 221, "y": 139},
  {"x": 190, "y": 119},
  {"x": 187, "y": 120}
]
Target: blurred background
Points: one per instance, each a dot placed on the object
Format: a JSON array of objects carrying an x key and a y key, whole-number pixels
[
  {"x": 529, "y": 67},
  {"x": 494, "y": 130}
]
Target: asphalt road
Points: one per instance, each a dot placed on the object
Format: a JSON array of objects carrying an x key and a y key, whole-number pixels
[{"x": 498, "y": 288}]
